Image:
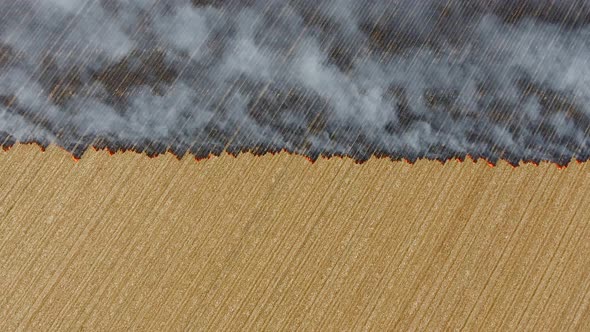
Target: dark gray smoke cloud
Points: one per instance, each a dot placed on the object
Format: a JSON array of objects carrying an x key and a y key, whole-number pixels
[{"x": 402, "y": 78}]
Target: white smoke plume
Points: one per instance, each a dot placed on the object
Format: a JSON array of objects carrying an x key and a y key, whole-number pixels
[{"x": 403, "y": 78}]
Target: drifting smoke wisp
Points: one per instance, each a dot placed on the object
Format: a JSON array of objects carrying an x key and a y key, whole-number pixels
[{"x": 403, "y": 78}]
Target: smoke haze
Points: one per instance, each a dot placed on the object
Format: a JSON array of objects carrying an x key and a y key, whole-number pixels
[{"x": 404, "y": 78}]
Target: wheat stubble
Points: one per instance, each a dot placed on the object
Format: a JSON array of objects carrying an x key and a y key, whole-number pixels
[{"x": 276, "y": 242}]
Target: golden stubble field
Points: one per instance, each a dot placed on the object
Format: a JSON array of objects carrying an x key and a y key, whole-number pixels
[{"x": 277, "y": 243}]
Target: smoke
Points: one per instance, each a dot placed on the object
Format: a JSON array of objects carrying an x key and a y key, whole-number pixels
[{"x": 412, "y": 79}]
